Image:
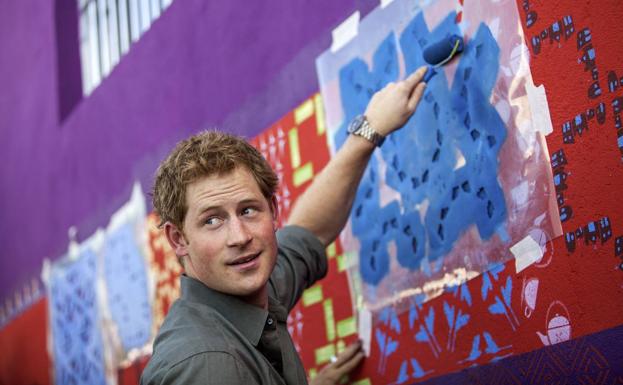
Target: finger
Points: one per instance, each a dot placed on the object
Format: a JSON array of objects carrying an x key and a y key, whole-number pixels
[
  {"x": 351, "y": 364},
  {"x": 415, "y": 97},
  {"x": 415, "y": 77},
  {"x": 348, "y": 354}
]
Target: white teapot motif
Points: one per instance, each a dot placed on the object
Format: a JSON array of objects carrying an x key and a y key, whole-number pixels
[{"x": 558, "y": 328}]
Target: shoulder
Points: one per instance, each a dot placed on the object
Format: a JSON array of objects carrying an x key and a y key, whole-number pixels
[
  {"x": 299, "y": 245},
  {"x": 296, "y": 237}
]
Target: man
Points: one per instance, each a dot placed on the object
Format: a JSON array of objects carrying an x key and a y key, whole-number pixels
[{"x": 215, "y": 196}]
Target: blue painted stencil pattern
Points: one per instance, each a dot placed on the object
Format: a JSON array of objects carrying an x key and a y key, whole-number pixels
[
  {"x": 77, "y": 342},
  {"x": 445, "y": 158},
  {"x": 126, "y": 281}
]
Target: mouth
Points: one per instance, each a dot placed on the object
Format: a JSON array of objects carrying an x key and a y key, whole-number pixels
[{"x": 244, "y": 259}]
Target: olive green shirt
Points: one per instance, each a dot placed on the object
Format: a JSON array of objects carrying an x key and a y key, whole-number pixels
[{"x": 213, "y": 338}]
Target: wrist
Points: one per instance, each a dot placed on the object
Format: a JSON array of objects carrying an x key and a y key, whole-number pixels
[{"x": 362, "y": 127}]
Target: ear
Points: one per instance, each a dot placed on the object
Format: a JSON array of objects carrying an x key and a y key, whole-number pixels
[
  {"x": 274, "y": 208},
  {"x": 176, "y": 239}
]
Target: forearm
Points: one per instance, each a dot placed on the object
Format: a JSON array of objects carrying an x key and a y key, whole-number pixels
[{"x": 324, "y": 207}]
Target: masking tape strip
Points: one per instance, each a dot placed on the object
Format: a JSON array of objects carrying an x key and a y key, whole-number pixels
[
  {"x": 539, "y": 107},
  {"x": 345, "y": 32},
  {"x": 526, "y": 252}
]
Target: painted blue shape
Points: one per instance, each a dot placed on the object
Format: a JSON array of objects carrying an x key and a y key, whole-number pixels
[
  {"x": 454, "y": 289},
  {"x": 373, "y": 261},
  {"x": 421, "y": 335},
  {"x": 413, "y": 315},
  {"x": 395, "y": 323},
  {"x": 384, "y": 316},
  {"x": 449, "y": 312},
  {"x": 492, "y": 347},
  {"x": 486, "y": 286},
  {"x": 358, "y": 84},
  {"x": 75, "y": 322},
  {"x": 387, "y": 345},
  {"x": 475, "y": 352},
  {"x": 414, "y": 306},
  {"x": 429, "y": 320},
  {"x": 506, "y": 291},
  {"x": 454, "y": 324},
  {"x": 428, "y": 328},
  {"x": 461, "y": 320},
  {"x": 380, "y": 339},
  {"x": 497, "y": 307},
  {"x": 503, "y": 234},
  {"x": 495, "y": 270},
  {"x": 410, "y": 241},
  {"x": 417, "y": 369},
  {"x": 366, "y": 206},
  {"x": 422, "y": 156},
  {"x": 126, "y": 283},
  {"x": 465, "y": 294},
  {"x": 402, "y": 374},
  {"x": 392, "y": 346},
  {"x": 388, "y": 317},
  {"x": 413, "y": 40}
]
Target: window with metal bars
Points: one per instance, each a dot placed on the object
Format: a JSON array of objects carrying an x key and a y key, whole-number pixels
[{"x": 107, "y": 30}]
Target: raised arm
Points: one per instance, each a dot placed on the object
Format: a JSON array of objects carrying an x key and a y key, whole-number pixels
[{"x": 324, "y": 207}]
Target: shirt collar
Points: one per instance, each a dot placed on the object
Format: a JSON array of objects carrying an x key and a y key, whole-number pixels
[{"x": 248, "y": 319}]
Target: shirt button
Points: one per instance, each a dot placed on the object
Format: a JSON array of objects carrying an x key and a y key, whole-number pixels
[{"x": 269, "y": 321}]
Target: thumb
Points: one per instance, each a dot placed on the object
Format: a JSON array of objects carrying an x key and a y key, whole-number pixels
[{"x": 415, "y": 97}]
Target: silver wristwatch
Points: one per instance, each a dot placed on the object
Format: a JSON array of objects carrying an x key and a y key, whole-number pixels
[{"x": 361, "y": 127}]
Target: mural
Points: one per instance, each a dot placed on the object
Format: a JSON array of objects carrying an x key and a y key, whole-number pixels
[
  {"x": 450, "y": 188},
  {"x": 547, "y": 310}
]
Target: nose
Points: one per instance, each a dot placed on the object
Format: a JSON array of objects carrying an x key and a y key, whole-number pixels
[{"x": 239, "y": 234}]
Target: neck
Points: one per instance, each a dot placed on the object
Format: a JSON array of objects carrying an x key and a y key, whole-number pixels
[{"x": 259, "y": 298}]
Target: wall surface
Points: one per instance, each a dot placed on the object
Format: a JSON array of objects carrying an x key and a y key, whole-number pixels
[
  {"x": 249, "y": 67},
  {"x": 202, "y": 64}
]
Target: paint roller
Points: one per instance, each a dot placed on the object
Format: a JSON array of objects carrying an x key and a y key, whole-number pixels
[{"x": 441, "y": 52}]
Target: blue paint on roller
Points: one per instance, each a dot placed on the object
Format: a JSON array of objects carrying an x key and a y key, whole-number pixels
[{"x": 441, "y": 52}]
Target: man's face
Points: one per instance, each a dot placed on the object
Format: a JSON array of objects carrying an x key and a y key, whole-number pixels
[{"x": 228, "y": 242}]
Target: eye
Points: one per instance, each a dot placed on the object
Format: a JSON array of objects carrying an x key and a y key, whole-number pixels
[
  {"x": 248, "y": 211},
  {"x": 213, "y": 221}
]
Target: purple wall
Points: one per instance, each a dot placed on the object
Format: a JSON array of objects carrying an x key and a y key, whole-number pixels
[{"x": 233, "y": 64}]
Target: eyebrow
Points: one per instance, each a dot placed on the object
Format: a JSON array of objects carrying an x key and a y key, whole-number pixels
[{"x": 218, "y": 207}]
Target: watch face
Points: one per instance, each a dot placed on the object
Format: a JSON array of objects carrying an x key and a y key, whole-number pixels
[{"x": 355, "y": 124}]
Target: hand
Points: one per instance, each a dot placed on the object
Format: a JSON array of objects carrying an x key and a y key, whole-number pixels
[
  {"x": 344, "y": 364},
  {"x": 390, "y": 108}
]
